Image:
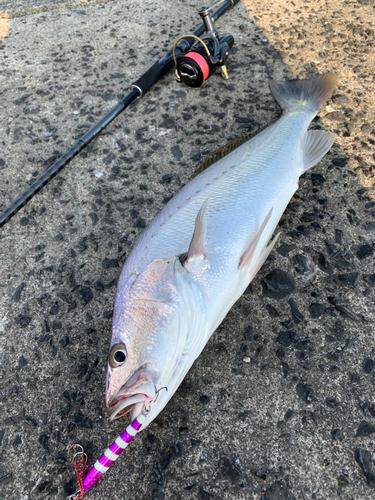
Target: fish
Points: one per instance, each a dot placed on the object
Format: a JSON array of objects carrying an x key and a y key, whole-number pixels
[{"x": 199, "y": 254}]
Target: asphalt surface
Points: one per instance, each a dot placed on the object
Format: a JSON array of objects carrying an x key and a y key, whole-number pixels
[{"x": 280, "y": 405}]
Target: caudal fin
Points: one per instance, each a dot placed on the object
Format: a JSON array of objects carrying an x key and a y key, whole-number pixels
[{"x": 310, "y": 94}]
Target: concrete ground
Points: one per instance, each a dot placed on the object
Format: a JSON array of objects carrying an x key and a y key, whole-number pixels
[{"x": 280, "y": 405}]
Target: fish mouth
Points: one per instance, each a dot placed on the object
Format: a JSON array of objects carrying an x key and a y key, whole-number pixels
[
  {"x": 137, "y": 395},
  {"x": 125, "y": 404}
]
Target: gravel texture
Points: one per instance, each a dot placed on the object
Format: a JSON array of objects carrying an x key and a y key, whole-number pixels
[{"x": 280, "y": 405}]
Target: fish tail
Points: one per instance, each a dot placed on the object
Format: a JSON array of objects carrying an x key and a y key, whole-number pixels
[{"x": 308, "y": 94}]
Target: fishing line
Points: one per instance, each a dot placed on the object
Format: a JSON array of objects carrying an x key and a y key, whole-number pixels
[{"x": 97, "y": 174}]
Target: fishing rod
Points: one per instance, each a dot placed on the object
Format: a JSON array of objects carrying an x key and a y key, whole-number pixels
[{"x": 196, "y": 57}]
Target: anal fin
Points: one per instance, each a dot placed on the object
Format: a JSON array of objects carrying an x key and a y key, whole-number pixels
[
  {"x": 315, "y": 144},
  {"x": 263, "y": 256},
  {"x": 248, "y": 255}
]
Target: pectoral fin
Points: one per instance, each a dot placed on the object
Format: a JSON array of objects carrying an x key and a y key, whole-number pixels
[
  {"x": 197, "y": 244},
  {"x": 247, "y": 257}
]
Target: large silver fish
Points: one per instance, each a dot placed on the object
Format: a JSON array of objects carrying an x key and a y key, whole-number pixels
[{"x": 199, "y": 254}]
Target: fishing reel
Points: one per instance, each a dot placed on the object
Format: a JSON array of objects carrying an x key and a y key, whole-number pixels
[{"x": 208, "y": 53}]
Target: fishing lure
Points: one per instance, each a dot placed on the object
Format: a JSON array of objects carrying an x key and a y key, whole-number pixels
[{"x": 110, "y": 455}]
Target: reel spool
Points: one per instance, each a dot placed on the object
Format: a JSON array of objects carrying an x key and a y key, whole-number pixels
[{"x": 206, "y": 54}]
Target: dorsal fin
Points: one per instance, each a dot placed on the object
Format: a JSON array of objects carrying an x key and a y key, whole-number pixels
[{"x": 228, "y": 148}]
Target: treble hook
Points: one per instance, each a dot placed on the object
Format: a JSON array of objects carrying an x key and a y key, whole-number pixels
[
  {"x": 79, "y": 462},
  {"x": 80, "y": 453},
  {"x": 74, "y": 496}
]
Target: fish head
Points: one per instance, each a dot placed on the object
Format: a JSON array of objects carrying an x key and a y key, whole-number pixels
[{"x": 148, "y": 337}]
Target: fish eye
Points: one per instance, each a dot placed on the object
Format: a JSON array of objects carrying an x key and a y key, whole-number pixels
[{"x": 117, "y": 355}]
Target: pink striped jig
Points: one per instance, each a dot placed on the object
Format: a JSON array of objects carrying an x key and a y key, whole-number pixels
[{"x": 110, "y": 455}]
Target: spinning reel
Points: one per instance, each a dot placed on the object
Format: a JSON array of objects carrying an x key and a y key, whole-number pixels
[{"x": 206, "y": 55}]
